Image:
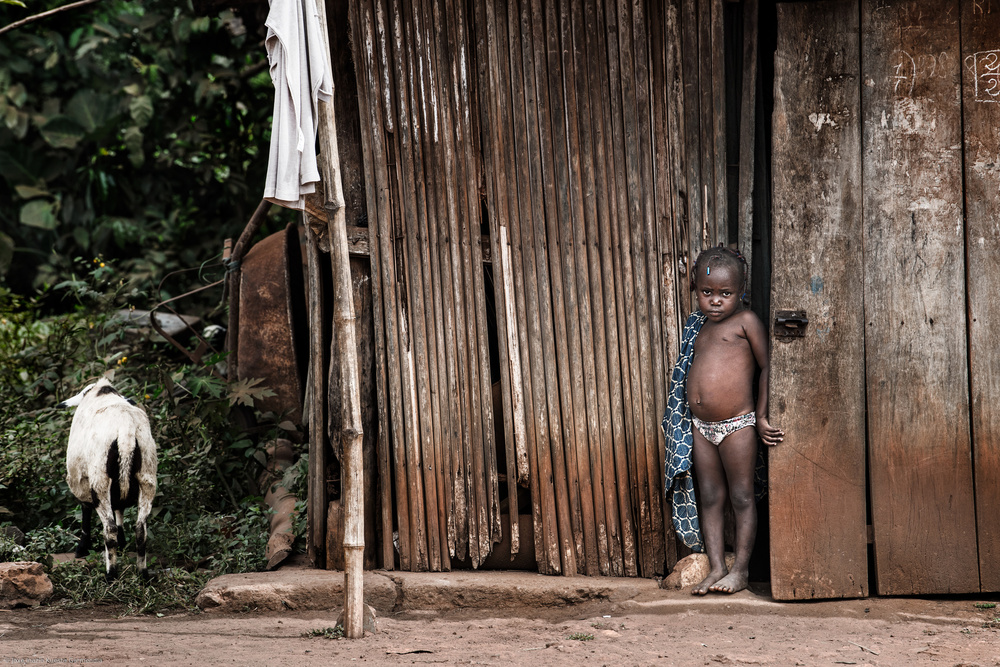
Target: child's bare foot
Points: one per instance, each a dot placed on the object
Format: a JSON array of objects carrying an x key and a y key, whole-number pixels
[
  {"x": 732, "y": 582},
  {"x": 706, "y": 583}
]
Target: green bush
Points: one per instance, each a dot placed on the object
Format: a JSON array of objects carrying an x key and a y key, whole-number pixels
[{"x": 208, "y": 517}]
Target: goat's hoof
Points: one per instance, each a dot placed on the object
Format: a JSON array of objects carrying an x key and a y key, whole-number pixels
[
  {"x": 145, "y": 576},
  {"x": 111, "y": 575},
  {"x": 81, "y": 553}
]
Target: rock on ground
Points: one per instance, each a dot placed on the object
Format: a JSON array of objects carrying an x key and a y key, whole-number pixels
[
  {"x": 692, "y": 569},
  {"x": 23, "y": 584}
]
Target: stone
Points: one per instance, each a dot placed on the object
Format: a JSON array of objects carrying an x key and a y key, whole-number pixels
[
  {"x": 691, "y": 569},
  {"x": 369, "y": 620},
  {"x": 23, "y": 584}
]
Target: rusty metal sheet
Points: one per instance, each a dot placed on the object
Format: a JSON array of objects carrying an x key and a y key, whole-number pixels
[{"x": 271, "y": 343}]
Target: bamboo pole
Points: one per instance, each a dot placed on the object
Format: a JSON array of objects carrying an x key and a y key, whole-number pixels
[
  {"x": 343, "y": 321},
  {"x": 717, "y": 144},
  {"x": 576, "y": 135},
  {"x": 484, "y": 455},
  {"x": 439, "y": 320},
  {"x": 662, "y": 247},
  {"x": 561, "y": 436},
  {"x": 495, "y": 116},
  {"x": 623, "y": 425},
  {"x": 414, "y": 214},
  {"x": 317, "y": 501},
  {"x": 550, "y": 467},
  {"x": 451, "y": 412},
  {"x": 375, "y": 199},
  {"x": 748, "y": 132},
  {"x": 589, "y": 277},
  {"x": 544, "y": 511},
  {"x": 647, "y": 237}
]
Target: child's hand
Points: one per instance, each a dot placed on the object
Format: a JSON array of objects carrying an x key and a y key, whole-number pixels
[{"x": 769, "y": 434}]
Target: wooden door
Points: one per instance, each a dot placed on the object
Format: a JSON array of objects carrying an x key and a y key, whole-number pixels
[
  {"x": 981, "y": 110},
  {"x": 817, "y": 475},
  {"x": 919, "y": 446}
]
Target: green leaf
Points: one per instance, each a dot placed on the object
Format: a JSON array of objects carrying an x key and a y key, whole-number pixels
[
  {"x": 90, "y": 110},
  {"x": 133, "y": 141},
  {"x": 52, "y": 60},
  {"x": 17, "y": 3},
  {"x": 81, "y": 236},
  {"x": 17, "y": 94},
  {"x": 62, "y": 132},
  {"x": 30, "y": 192},
  {"x": 6, "y": 253},
  {"x": 39, "y": 213},
  {"x": 141, "y": 109},
  {"x": 21, "y": 164}
]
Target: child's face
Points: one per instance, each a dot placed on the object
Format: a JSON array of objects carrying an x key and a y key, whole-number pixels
[{"x": 718, "y": 292}]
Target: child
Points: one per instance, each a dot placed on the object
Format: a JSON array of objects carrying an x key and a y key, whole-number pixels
[{"x": 730, "y": 346}]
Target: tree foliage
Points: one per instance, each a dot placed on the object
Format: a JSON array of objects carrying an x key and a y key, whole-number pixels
[{"x": 137, "y": 130}]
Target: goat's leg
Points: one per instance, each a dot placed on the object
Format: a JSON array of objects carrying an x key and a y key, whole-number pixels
[
  {"x": 120, "y": 522},
  {"x": 83, "y": 546},
  {"x": 145, "y": 507},
  {"x": 110, "y": 539}
]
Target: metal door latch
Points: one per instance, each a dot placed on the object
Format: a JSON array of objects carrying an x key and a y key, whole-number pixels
[{"x": 790, "y": 324}]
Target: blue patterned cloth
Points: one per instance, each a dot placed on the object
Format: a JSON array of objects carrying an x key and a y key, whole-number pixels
[{"x": 679, "y": 484}]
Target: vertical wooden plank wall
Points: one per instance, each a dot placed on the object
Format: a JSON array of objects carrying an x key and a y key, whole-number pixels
[
  {"x": 981, "y": 109},
  {"x": 580, "y": 199},
  {"x": 419, "y": 135},
  {"x": 916, "y": 354},
  {"x": 819, "y": 545},
  {"x": 570, "y": 152}
]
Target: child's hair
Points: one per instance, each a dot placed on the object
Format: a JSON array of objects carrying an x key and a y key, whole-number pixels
[{"x": 720, "y": 255}]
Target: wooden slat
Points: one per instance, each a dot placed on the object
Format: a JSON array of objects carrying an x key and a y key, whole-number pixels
[
  {"x": 981, "y": 109},
  {"x": 706, "y": 127},
  {"x": 691, "y": 70},
  {"x": 819, "y": 546},
  {"x": 467, "y": 541},
  {"x": 748, "y": 133},
  {"x": 623, "y": 423},
  {"x": 426, "y": 307},
  {"x": 648, "y": 234},
  {"x": 620, "y": 69},
  {"x": 663, "y": 261},
  {"x": 534, "y": 72},
  {"x": 458, "y": 535},
  {"x": 717, "y": 143},
  {"x": 443, "y": 324},
  {"x": 412, "y": 358},
  {"x": 487, "y": 507},
  {"x": 367, "y": 33},
  {"x": 572, "y": 383},
  {"x": 552, "y": 517},
  {"x": 496, "y": 116},
  {"x": 675, "y": 174},
  {"x": 916, "y": 354},
  {"x": 589, "y": 260},
  {"x": 361, "y": 37}
]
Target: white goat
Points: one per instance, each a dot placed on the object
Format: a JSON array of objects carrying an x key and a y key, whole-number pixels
[{"x": 110, "y": 465}]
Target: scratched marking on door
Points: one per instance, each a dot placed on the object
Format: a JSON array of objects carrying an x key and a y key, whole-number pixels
[
  {"x": 904, "y": 73},
  {"x": 985, "y": 68}
]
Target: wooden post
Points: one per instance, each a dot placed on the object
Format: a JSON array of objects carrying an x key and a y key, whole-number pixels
[
  {"x": 748, "y": 133},
  {"x": 343, "y": 321}
]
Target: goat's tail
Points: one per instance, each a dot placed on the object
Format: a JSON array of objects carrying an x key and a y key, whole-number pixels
[{"x": 129, "y": 464}]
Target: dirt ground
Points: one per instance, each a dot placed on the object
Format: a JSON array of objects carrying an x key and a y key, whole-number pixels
[{"x": 746, "y": 629}]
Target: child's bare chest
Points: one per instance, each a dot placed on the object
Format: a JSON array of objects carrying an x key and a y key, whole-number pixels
[{"x": 721, "y": 339}]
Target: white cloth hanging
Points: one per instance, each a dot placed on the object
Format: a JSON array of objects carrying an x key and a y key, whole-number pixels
[{"x": 300, "y": 71}]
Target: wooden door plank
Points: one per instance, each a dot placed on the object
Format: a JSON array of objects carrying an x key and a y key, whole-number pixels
[
  {"x": 981, "y": 108},
  {"x": 916, "y": 353},
  {"x": 817, "y": 475}
]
